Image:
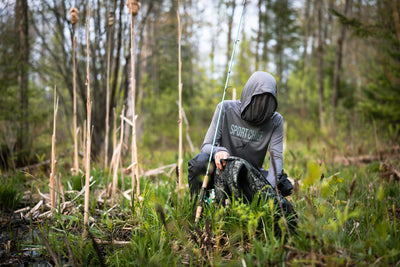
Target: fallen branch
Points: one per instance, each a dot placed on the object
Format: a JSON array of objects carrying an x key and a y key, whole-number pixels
[
  {"x": 159, "y": 170},
  {"x": 44, "y": 196},
  {"x": 83, "y": 189},
  {"x": 34, "y": 209},
  {"x": 22, "y": 210},
  {"x": 34, "y": 166},
  {"x": 154, "y": 172},
  {"x": 113, "y": 242},
  {"x": 47, "y": 214}
]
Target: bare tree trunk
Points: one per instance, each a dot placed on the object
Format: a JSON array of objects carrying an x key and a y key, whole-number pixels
[
  {"x": 396, "y": 17},
  {"x": 22, "y": 52},
  {"x": 259, "y": 33},
  {"x": 329, "y": 21},
  {"x": 338, "y": 61},
  {"x": 266, "y": 34},
  {"x": 279, "y": 57},
  {"x": 306, "y": 36},
  {"x": 320, "y": 65},
  {"x": 144, "y": 51},
  {"x": 230, "y": 25},
  {"x": 117, "y": 56},
  {"x": 306, "y": 32}
]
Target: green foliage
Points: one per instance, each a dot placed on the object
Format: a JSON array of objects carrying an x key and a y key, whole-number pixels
[
  {"x": 10, "y": 196},
  {"x": 337, "y": 223},
  {"x": 381, "y": 93},
  {"x": 244, "y": 66}
]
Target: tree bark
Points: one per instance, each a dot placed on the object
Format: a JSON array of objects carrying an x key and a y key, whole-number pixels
[
  {"x": 117, "y": 56},
  {"x": 320, "y": 65},
  {"x": 338, "y": 61},
  {"x": 306, "y": 33},
  {"x": 266, "y": 34},
  {"x": 22, "y": 52},
  {"x": 396, "y": 18},
  {"x": 259, "y": 34},
  {"x": 229, "y": 36}
]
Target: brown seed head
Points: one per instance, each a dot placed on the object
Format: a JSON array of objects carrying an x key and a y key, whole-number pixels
[
  {"x": 74, "y": 15},
  {"x": 110, "y": 19},
  {"x": 133, "y": 6}
]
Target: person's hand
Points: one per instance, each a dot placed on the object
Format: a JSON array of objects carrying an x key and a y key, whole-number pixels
[{"x": 221, "y": 155}]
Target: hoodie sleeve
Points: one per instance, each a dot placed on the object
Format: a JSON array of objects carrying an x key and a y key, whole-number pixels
[
  {"x": 276, "y": 152},
  {"x": 208, "y": 140}
]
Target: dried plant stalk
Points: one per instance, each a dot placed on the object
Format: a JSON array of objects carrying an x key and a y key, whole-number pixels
[
  {"x": 180, "y": 158},
  {"x": 133, "y": 6},
  {"x": 115, "y": 130},
  {"x": 118, "y": 155},
  {"x": 83, "y": 142},
  {"x": 76, "y": 156},
  {"x": 133, "y": 10},
  {"x": 188, "y": 139},
  {"x": 110, "y": 19},
  {"x": 74, "y": 15},
  {"x": 74, "y": 19},
  {"x": 88, "y": 131},
  {"x": 52, "y": 183},
  {"x": 110, "y": 24},
  {"x": 60, "y": 187}
]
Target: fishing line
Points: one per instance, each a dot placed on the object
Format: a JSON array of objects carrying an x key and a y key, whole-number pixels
[{"x": 205, "y": 182}]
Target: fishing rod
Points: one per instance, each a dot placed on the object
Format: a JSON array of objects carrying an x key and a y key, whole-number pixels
[{"x": 205, "y": 181}]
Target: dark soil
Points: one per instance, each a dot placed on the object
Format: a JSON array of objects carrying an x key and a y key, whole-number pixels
[{"x": 19, "y": 242}]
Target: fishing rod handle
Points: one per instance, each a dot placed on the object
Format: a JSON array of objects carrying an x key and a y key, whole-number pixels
[{"x": 202, "y": 192}]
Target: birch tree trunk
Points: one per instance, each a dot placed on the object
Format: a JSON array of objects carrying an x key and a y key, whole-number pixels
[{"x": 229, "y": 36}]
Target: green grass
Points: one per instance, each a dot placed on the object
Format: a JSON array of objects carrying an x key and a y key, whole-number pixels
[
  {"x": 10, "y": 195},
  {"x": 337, "y": 225}
]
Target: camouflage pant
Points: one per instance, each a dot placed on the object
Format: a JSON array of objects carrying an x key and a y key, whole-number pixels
[{"x": 240, "y": 179}]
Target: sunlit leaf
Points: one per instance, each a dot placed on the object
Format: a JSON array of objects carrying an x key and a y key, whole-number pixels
[{"x": 313, "y": 174}]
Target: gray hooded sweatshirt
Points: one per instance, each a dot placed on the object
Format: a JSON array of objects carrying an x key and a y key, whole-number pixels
[{"x": 249, "y": 139}]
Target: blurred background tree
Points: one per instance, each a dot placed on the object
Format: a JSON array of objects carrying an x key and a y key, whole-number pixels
[{"x": 336, "y": 63}]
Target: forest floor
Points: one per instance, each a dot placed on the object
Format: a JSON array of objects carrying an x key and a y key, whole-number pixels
[
  {"x": 14, "y": 233},
  {"x": 32, "y": 235}
]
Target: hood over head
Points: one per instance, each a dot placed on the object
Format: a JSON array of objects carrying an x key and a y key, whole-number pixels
[{"x": 259, "y": 98}]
